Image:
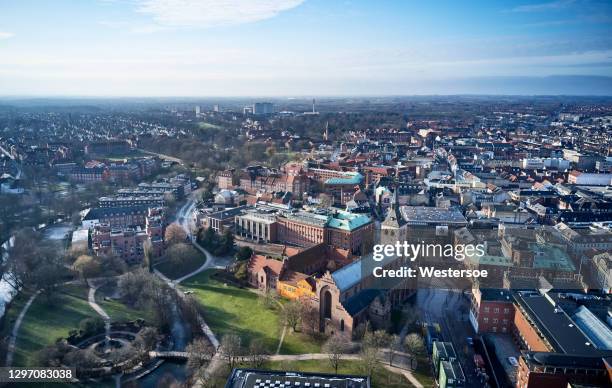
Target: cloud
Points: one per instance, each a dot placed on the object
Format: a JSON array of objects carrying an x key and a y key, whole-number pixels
[
  {"x": 6, "y": 35},
  {"x": 542, "y": 7},
  {"x": 211, "y": 13}
]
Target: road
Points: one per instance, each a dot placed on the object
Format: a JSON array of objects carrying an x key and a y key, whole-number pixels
[
  {"x": 184, "y": 218},
  {"x": 448, "y": 308}
]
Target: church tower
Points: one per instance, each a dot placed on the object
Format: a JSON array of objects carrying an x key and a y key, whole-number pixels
[{"x": 393, "y": 228}]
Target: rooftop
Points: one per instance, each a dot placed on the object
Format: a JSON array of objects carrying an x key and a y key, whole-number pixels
[
  {"x": 253, "y": 378},
  {"x": 424, "y": 215},
  {"x": 347, "y": 221},
  {"x": 555, "y": 324}
]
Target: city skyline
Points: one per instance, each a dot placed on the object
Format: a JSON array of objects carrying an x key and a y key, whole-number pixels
[{"x": 304, "y": 47}]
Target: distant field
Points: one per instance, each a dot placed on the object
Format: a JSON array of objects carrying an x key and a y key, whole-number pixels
[{"x": 205, "y": 125}]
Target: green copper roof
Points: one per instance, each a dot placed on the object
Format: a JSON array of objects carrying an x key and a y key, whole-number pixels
[
  {"x": 347, "y": 221},
  {"x": 350, "y": 178}
]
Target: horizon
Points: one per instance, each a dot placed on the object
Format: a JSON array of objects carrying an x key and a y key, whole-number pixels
[{"x": 235, "y": 48}]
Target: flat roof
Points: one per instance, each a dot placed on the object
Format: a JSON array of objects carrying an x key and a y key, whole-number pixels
[
  {"x": 562, "y": 333},
  {"x": 253, "y": 378},
  {"x": 422, "y": 215}
]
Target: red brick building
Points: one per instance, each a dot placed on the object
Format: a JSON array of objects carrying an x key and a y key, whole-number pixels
[{"x": 492, "y": 311}]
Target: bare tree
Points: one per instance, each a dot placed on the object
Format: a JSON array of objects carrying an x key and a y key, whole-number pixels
[
  {"x": 87, "y": 267},
  {"x": 309, "y": 317},
  {"x": 268, "y": 298},
  {"x": 180, "y": 253},
  {"x": 369, "y": 359},
  {"x": 231, "y": 349},
  {"x": 335, "y": 347},
  {"x": 174, "y": 234},
  {"x": 292, "y": 312},
  {"x": 258, "y": 354},
  {"x": 199, "y": 353},
  {"x": 414, "y": 343}
]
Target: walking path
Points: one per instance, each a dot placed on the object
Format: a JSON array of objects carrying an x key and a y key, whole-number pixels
[
  {"x": 91, "y": 299},
  {"x": 282, "y": 338},
  {"x": 13, "y": 338}
]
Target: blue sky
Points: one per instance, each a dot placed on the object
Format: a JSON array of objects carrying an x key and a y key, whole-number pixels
[{"x": 304, "y": 47}]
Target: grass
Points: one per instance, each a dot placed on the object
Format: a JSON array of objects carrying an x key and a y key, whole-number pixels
[
  {"x": 205, "y": 125},
  {"x": 174, "y": 271},
  {"x": 423, "y": 372},
  {"x": 48, "y": 320},
  {"x": 10, "y": 316},
  {"x": 231, "y": 310},
  {"x": 381, "y": 378},
  {"x": 300, "y": 343},
  {"x": 117, "y": 311}
]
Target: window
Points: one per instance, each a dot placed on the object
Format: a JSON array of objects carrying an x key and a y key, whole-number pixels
[
  {"x": 342, "y": 325},
  {"x": 506, "y": 310},
  {"x": 495, "y": 320},
  {"x": 496, "y": 310},
  {"x": 486, "y": 309},
  {"x": 485, "y": 320}
]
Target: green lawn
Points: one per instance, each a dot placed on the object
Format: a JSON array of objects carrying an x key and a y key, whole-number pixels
[
  {"x": 381, "y": 378},
  {"x": 117, "y": 311},
  {"x": 229, "y": 309},
  {"x": 46, "y": 321},
  {"x": 10, "y": 315},
  {"x": 173, "y": 271},
  {"x": 205, "y": 125}
]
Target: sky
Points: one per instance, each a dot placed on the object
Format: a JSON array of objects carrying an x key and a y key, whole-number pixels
[{"x": 304, "y": 47}]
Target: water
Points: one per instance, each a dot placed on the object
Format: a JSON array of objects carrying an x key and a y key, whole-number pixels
[
  {"x": 177, "y": 370},
  {"x": 54, "y": 233}
]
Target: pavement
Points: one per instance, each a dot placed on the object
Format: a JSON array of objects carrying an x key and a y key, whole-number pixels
[{"x": 448, "y": 308}]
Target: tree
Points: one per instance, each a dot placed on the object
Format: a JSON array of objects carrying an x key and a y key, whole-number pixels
[
  {"x": 242, "y": 271},
  {"x": 87, "y": 267},
  {"x": 258, "y": 353},
  {"x": 32, "y": 263},
  {"x": 292, "y": 312},
  {"x": 174, "y": 234},
  {"x": 309, "y": 317},
  {"x": 376, "y": 339},
  {"x": 369, "y": 359},
  {"x": 208, "y": 238},
  {"x": 244, "y": 253},
  {"x": 91, "y": 326},
  {"x": 147, "y": 261},
  {"x": 268, "y": 298},
  {"x": 414, "y": 343},
  {"x": 199, "y": 352},
  {"x": 231, "y": 349},
  {"x": 228, "y": 242},
  {"x": 180, "y": 253},
  {"x": 146, "y": 338},
  {"x": 325, "y": 201},
  {"x": 335, "y": 347},
  {"x": 395, "y": 345},
  {"x": 371, "y": 344}
]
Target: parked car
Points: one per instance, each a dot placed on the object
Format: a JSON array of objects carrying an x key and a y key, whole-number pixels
[{"x": 513, "y": 361}]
